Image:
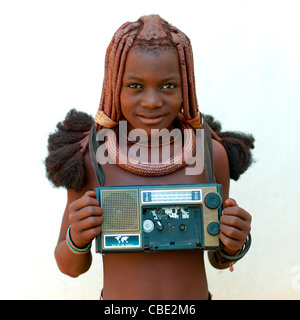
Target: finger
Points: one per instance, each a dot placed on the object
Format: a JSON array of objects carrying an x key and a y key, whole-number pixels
[
  {"x": 88, "y": 223},
  {"x": 90, "y": 234},
  {"x": 91, "y": 193},
  {"x": 229, "y": 243},
  {"x": 84, "y": 213},
  {"x": 237, "y": 212},
  {"x": 235, "y": 222},
  {"x": 230, "y": 202},
  {"x": 232, "y": 232},
  {"x": 81, "y": 238},
  {"x": 87, "y": 199}
]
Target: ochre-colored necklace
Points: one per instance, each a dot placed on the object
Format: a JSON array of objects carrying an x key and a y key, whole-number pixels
[{"x": 143, "y": 168}]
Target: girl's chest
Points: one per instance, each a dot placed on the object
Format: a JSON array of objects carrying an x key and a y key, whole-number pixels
[{"x": 116, "y": 176}]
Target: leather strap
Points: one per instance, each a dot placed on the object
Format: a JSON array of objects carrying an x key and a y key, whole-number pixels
[
  {"x": 208, "y": 155},
  {"x": 93, "y": 146}
]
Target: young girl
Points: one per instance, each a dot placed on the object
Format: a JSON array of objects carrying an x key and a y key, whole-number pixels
[{"x": 149, "y": 82}]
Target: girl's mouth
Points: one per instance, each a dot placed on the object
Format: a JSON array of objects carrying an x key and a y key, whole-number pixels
[{"x": 150, "y": 118}]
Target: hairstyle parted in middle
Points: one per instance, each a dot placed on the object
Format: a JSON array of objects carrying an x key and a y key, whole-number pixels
[{"x": 148, "y": 31}]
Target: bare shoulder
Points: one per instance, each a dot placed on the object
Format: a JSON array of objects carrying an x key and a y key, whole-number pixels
[
  {"x": 221, "y": 166},
  {"x": 90, "y": 179}
]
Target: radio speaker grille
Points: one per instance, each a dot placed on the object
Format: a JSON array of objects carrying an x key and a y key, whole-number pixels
[{"x": 120, "y": 210}]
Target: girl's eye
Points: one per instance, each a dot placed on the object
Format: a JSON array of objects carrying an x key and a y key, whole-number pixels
[
  {"x": 169, "y": 86},
  {"x": 134, "y": 86}
]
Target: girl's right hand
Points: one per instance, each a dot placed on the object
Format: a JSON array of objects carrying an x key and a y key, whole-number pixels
[{"x": 85, "y": 217}]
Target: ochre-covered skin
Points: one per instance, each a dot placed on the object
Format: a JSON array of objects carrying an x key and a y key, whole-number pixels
[
  {"x": 148, "y": 31},
  {"x": 164, "y": 275},
  {"x": 159, "y": 275}
]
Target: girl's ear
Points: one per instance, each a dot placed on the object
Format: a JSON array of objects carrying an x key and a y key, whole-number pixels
[{"x": 181, "y": 108}]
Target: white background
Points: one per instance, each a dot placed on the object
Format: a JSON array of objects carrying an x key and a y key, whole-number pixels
[{"x": 247, "y": 65}]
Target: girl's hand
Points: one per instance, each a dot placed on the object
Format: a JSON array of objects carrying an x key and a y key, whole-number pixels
[
  {"x": 235, "y": 227},
  {"x": 85, "y": 217}
]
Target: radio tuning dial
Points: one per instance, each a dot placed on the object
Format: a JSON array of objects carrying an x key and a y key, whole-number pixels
[
  {"x": 213, "y": 200},
  {"x": 148, "y": 225},
  {"x": 214, "y": 228},
  {"x": 159, "y": 226}
]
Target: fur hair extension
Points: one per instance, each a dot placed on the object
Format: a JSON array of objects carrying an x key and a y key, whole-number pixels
[
  {"x": 65, "y": 166},
  {"x": 238, "y": 146},
  {"x": 64, "y": 163}
]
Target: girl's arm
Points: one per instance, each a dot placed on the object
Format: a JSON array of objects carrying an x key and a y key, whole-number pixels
[
  {"x": 84, "y": 216},
  {"x": 235, "y": 221}
]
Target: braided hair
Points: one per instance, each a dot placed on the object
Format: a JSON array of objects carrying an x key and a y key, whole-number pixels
[
  {"x": 148, "y": 33},
  {"x": 64, "y": 164}
]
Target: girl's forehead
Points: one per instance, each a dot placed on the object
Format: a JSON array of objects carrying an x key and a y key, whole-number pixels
[
  {"x": 140, "y": 60},
  {"x": 153, "y": 48},
  {"x": 155, "y": 53}
]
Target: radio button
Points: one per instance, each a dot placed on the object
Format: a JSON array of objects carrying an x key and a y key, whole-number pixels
[
  {"x": 213, "y": 228},
  {"x": 160, "y": 227},
  {"x": 213, "y": 200},
  {"x": 148, "y": 225},
  {"x": 182, "y": 227}
]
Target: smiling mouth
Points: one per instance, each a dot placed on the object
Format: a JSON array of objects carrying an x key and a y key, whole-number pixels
[{"x": 150, "y": 118}]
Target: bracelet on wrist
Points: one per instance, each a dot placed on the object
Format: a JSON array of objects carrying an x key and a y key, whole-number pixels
[
  {"x": 73, "y": 247},
  {"x": 222, "y": 258}
]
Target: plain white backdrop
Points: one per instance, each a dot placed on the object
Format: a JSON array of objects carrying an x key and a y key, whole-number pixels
[{"x": 247, "y": 66}]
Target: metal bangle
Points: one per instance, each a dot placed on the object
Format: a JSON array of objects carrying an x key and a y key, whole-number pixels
[
  {"x": 226, "y": 258},
  {"x": 73, "y": 247}
]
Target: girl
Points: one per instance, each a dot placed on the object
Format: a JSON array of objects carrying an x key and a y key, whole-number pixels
[{"x": 149, "y": 82}]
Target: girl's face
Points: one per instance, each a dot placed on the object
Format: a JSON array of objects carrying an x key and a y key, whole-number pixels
[{"x": 151, "y": 93}]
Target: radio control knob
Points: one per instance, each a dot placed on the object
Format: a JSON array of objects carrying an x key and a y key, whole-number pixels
[
  {"x": 213, "y": 228},
  {"x": 182, "y": 227},
  {"x": 213, "y": 200},
  {"x": 148, "y": 225},
  {"x": 159, "y": 226}
]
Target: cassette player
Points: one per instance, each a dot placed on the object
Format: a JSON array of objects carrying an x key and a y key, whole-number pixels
[{"x": 159, "y": 218}]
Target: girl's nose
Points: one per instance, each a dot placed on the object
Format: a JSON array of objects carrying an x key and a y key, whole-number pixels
[{"x": 151, "y": 100}]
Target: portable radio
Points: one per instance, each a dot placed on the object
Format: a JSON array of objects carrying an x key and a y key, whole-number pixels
[{"x": 159, "y": 218}]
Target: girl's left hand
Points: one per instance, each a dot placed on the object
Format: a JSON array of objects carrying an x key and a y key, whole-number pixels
[{"x": 235, "y": 227}]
